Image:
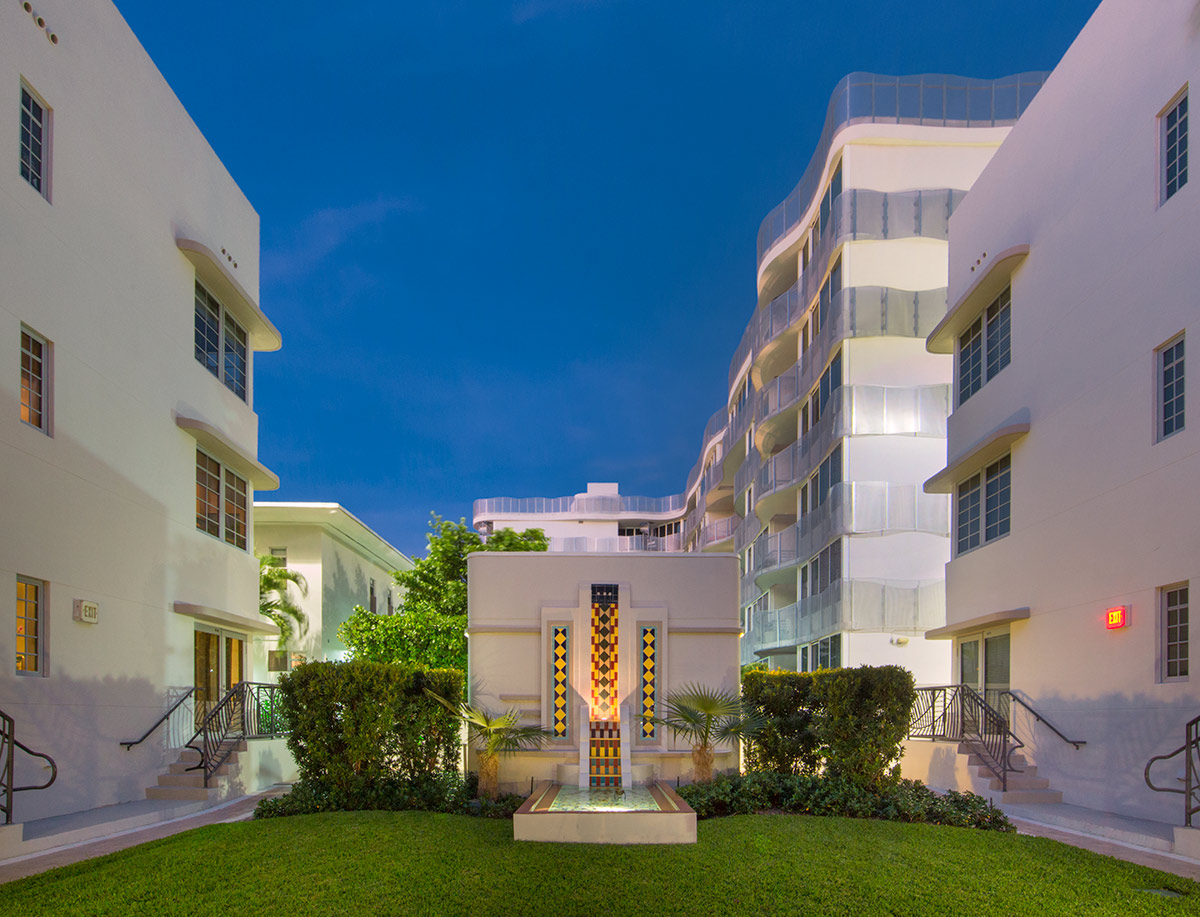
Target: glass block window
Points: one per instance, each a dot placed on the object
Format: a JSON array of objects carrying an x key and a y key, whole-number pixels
[
  {"x": 34, "y": 364},
  {"x": 236, "y": 501},
  {"x": 30, "y": 603},
  {"x": 985, "y": 347},
  {"x": 1170, "y": 388},
  {"x": 221, "y": 342},
  {"x": 560, "y": 669},
  {"x": 649, "y": 672},
  {"x": 1175, "y": 632},
  {"x": 1174, "y": 148},
  {"x": 983, "y": 506},
  {"x": 208, "y": 494},
  {"x": 33, "y": 141}
]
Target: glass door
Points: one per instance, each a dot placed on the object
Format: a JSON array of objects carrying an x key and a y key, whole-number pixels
[
  {"x": 995, "y": 672},
  {"x": 220, "y": 663}
]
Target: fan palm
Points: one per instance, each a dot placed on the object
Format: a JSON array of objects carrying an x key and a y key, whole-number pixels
[
  {"x": 704, "y": 716},
  {"x": 494, "y": 735},
  {"x": 274, "y": 597}
]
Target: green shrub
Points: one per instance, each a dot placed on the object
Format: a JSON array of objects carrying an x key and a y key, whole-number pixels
[
  {"x": 357, "y": 724},
  {"x": 844, "y": 722},
  {"x": 444, "y": 792}
]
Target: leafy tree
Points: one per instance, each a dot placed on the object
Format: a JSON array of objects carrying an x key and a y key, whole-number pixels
[
  {"x": 275, "y": 600},
  {"x": 495, "y": 735},
  {"x": 704, "y": 717},
  {"x": 417, "y": 635}
]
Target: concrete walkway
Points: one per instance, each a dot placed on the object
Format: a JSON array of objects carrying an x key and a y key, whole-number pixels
[{"x": 34, "y": 863}]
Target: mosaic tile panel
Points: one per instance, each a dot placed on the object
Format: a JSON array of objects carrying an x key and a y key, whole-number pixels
[
  {"x": 604, "y": 652},
  {"x": 604, "y": 753},
  {"x": 649, "y": 667},
  {"x": 561, "y": 652}
]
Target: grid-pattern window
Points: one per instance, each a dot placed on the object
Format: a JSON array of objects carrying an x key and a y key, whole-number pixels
[
  {"x": 983, "y": 506},
  {"x": 34, "y": 380},
  {"x": 236, "y": 502},
  {"x": 1175, "y": 632},
  {"x": 1174, "y": 147},
  {"x": 825, "y": 653},
  {"x": 31, "y": 600},
  {"x": 985, "y": 347},
  {"x": 280, "y": 553},
  {"x": 33, "y": 141},
  {"x": 221, "y": 343},
  {"x": 208, "y": 494},
  {"x": 1170, "y": 388}
]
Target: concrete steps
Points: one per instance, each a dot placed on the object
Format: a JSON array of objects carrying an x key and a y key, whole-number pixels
[
  {"x": 1025, "y": 787},
  {"x": 184, "y": 780}
]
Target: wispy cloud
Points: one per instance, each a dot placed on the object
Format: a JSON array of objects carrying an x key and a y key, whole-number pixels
[
  {"x": 527, "y": 10},
  {"x": 324, "y": 231}
]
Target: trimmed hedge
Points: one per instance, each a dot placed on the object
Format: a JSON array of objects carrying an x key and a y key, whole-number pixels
[
  {"x": 357, "y": 724},
  {"x": 445, "y": 792},
  {"x": 907, "y": 800},
  {"x": 843, "y": 722}
]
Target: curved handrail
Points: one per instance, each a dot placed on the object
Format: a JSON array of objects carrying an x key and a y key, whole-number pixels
[
  {"x": 1166, "y": 757},
  {"x": 162, "y": 719},
  {"x": 37, "y": 754},
  {"x": 1043, "y": 720},
  {"x": 8, "y": 744}
]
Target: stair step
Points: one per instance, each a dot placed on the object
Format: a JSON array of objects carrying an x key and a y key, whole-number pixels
[
  {"x": 1020, "y": 796},
  {"x": 182, "y": 792},
  {"x": 1022, "y": 782},
  {"x": 195, "y": 778}
]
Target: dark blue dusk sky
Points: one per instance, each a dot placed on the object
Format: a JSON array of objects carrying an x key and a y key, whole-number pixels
[{"x": 511, "y": 245}]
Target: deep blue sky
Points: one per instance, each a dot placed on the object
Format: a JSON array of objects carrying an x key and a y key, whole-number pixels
[{"x": 510, "y": 244}]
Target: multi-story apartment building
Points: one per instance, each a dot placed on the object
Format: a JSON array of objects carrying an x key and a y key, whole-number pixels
[
  {"x": 129, "y": 323},
  {"x": 812, "y": 471},
  {"x": 1073, "y": 461}
]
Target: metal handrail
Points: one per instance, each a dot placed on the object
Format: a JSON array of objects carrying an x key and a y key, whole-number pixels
[
  {"x": 1191, "y": 779},
  {"x": 238, "y": 715},
  {"x": 8, "y": 745},
  {"x": 958, "y": 712},
  {"x": 1041, "y": 719},
  {"x": 162, "y": 719}
]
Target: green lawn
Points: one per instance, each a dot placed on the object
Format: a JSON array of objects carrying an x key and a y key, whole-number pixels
[{"x": 420, "y": 863}]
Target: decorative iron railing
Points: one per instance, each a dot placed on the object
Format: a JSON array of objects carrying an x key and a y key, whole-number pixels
[
  {"x": 8, "y": 748},
  {"x": 249, "y": 710},
  {"x": 1190, "y": 749},
  {"x": 162, "y": 719},
  {"x": 959, "y": 713}
]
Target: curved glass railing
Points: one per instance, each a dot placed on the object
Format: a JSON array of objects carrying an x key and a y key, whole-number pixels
[
  {"x": 856, "y": 410},
  {"x": 938, "y": 100},
  {"x": 747, "y": 472},
  {"x": 718, "y": 530},
  {"x": 854, "y": 508},
  {"x": 888, "y": 606},
  {"x": 747, "y": 532},
  {"x": 617, "y": 545},
  {"x": 589, "y": 504}
]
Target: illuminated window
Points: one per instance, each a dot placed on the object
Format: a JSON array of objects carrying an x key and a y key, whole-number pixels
[
  {"x": 35, "y": 142},
  {"x": 1174, "y": 148},
  {"x": 985, "y": 347},
  {"x": 1174, "y": 629},
  {"x": 983, "y": 506},
  {"x": 222, "y": 501},
  {"x": 220, "y": 342},
  {"x": 31, "y": 637},
  {"x": 1170, "y": 388},
  {"x": 35, "y": 380}
]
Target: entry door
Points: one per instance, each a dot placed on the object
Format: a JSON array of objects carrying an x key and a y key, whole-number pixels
[
  {"x": 220, "y": 663},
  {"x": 983, "y": 664}
]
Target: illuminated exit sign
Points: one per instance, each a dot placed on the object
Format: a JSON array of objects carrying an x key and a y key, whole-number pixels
[{"x": 1116, "y": 618}]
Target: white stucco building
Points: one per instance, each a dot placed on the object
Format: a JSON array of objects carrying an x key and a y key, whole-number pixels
[
  {"x": 1073, "y": 463},
  {"x": 343, "y": 561},
  {"x": 130, "y": 325},
  {"x": 812, "y": 471}
]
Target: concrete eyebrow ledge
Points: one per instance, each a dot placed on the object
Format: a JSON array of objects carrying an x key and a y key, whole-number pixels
[
  {"x": 222, "y": 284},
  {"x": 212, "y": 439},
  {"x": 983, "y": 289},
  {"x": 988, "y": 447},
  {"x": 983, "y": 621}
]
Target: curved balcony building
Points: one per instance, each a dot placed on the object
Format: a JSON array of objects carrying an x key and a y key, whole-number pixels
[{"x": 836, "y": 411}]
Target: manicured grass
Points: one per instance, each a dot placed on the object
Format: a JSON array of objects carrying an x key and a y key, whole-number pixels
[{"x": 422, "y": 863}]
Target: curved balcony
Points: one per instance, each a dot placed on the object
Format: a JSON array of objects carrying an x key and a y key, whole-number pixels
[
  {"x": 582, "y": 505},
  {"x": 936, "y": 100},
  {"x": 718, "y": 534},
  {"x": 871, "y": 606},
  {"x": 852, "y": 508},
  {"x": 747, "y": 473},
  {"x": 852, "y": 410},
  {"x": 620, "y": 544}
]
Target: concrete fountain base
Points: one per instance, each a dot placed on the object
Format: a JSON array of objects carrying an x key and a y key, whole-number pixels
[{"x": 652, "y": 814}]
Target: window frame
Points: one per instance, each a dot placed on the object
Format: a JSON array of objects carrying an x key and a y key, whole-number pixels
[
  {"x": 225, "y": 511},
  {"x": 41, "y": 609},
  {"x": 46, "y": 379},
  {"x": 988, "y": 488},
  {"x": 227, "y": 364},
  {"x": 990, "y": 340},
  {"x": 43, "y": 187},
  {"x": 1164, "y": 633},
  {"x": 1179, "y": 377},
  {"x": 1165, "y": 159}
]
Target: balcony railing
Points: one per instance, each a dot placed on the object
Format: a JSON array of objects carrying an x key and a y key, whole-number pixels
[
  {"x": 926, "y": 99},
  {"x": 887, "y": 606},
  {"x": 854, "y": 508},
  {"x": 620, "y": 544},
  {"x": 719, "y": 530},
  {"x": 585, "y": 505}
]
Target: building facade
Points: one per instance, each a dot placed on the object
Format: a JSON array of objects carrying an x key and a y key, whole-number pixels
[
  {"x": 130, "y": 323},
  {"x": 812, "y": 471},
  {"x": 1072, "y": 461},
  {"x": 344, "y": 563}
]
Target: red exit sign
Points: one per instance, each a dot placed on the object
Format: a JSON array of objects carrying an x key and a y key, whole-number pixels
[{"x": 1116, "y": 618}]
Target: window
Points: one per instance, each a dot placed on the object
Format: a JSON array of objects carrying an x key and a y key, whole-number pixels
[
  {"x": 391, "y": 602},
  {"x": 35, "y": 380},
  {"x": 1170, "y": 388},
  {"x": 985, "y": 347},
  {"x": 983, "y": 506},
  {"x": 371, "y": 596},
  {"x": 220, "y": 342},
  {"x": 825, "y": 653},
  {"x": 1174, "y": 148},
  {"x": 1174, "y": 603},
  {"x": 222, "y": 513},
  {"x": 667, "y": 528},
  {"x": 818, "y": 486},
  {"x": 830, "y": 382},
  {"x": 824, "y": 569},
  {"x": 281, "y": 554},
  {"x": 31, "y": 636},
  {"x": 35, "y": 141},
  {"x": 830, "y": 195}
]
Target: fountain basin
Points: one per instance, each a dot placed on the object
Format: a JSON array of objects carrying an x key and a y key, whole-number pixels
[{"x": 653, "y": 814}]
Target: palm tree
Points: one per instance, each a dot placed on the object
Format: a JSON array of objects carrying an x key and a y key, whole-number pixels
[
  {"x": 494, "y": 735},
  {"x": 704, "y": 717},
  {"x": 275, "y": 600}
]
